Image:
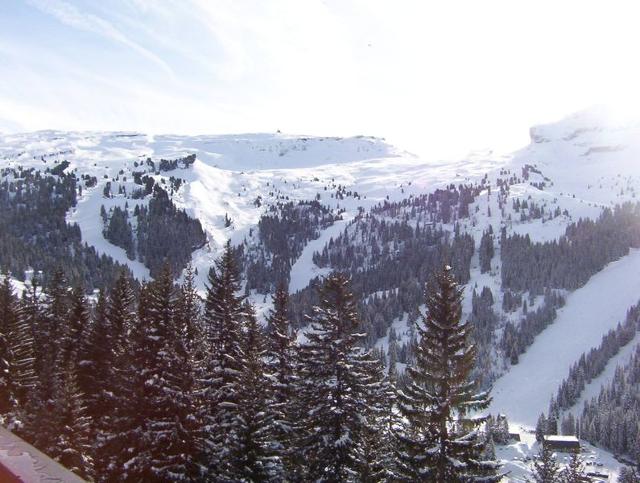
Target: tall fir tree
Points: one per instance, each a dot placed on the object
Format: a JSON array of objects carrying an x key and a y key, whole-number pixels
[
  {"x": 281, "y": 360},
  {"x": 52, "y": 319},
  {"x": 73, "y": 330},
  {"x": 113, "y": 449},
  {"x": 7, "y": 316},
  {"x": 30, "y": 320},
  {"x": 73, "y": 444},
  {"x": 224, "y": 316},
  {"x": 574, "y": 472},
  {"x": 391, "y": 418},
  {"x": 545, "y": 467},
  {"x": 188, "y": 314},
  {"x": 442, "y": 441},
  {"x": 191, "y": 349},
  {"x": 165, "y": 401},
  {"x": 337, "y": 387},
  {"x": 376, "y": 451},
  {"x": 541, "y": 428},
  {"x": 96, "y": 357},
  {"x": 18, "y": 360},
  {"x": 259, "y": 459},
  {"x": 191, "y": 333},
  {"x": 56, "y": 308}
]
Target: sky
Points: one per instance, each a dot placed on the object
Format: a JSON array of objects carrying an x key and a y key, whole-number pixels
[{"x": 436, "y": 78}]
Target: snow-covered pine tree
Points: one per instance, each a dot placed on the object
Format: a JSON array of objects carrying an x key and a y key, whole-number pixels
[
  {"x": 391, "y": 417},
  {"x": 553, "y": 417},
  {"x": 30, "y": 320},
  {"x": 441, "y": 441},
  {"x": 95, "y": 359},
  {"x": 258, "y": 453},
  {"x": 7, "y": 304},
  {"x": 568, "y": 425},
  {"x": 281, "y": 361},
  {"x": 72, "y": 331},
  {"x": 53, "y": 316},
  {"x": 7, "y": 314},
  {"x": 545, "y": 468},
  {"x": 541, "y": 428},
  {"x": 113, "y": 449},
  {"x": 629, "y": 475},
  {"x": 189, "y": 325},
  {"x": 337, "y": 387},
  {"x": 486, "y": 250},
  {"x": 188, "y": 313},
  {"x": 224, "y": 316},
  {"x": 376, "y": 454},
  {"x": 18, "y": 358},
  {"x": 574, "y": 471},
  {"x": 192, "y": 350},
  {"x": 501, "y": 429},
  {"x": 56, "y": 307},
  {"x": 163, "y": 400},
  {"x": 73, "y": 444}
]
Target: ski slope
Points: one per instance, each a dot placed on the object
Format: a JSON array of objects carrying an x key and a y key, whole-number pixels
[
  {"x": 592, "y": 389},
  {"x": 591, "y": 311},
  {"x": 304, "y": 270},
  {"x": 86, "y": 215}
]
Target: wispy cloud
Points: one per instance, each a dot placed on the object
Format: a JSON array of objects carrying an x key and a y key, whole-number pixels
[{"x": 70, "y": 15}]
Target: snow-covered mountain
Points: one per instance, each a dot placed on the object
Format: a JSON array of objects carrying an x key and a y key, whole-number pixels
[{"x": 572, "y": 169}]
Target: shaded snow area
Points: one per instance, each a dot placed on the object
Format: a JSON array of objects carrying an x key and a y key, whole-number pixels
[
  {"x": 29, "y": 464},
  {"x": 591, "y": 311}
]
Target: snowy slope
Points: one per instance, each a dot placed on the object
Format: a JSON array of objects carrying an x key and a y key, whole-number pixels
[
  {"x": 230, "y": 173},
  {"x": 590, "y": 155},
  {"x": 592, "y": 389},
  {"x": 304, "y": 270},
  {"x": 587, "y": 161},
  {"x": 590, "y": 312}
]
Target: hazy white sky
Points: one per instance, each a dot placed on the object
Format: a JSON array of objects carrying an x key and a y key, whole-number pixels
[{"x": 435, "y": 77}]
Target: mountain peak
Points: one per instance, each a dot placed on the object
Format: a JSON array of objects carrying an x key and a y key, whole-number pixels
[{"x": 592, "y": 120}]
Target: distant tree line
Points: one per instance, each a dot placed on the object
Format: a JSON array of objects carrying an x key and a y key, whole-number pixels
[
  {"x": 446, "y": 205},
  {"x": 283, "y": 232},
  {"x": 485, "y": 321},
  {"x": 381, "y": 255},
  {"x": 117, "y": 229},
  {"x": 163, "y": 233},
  {"x": 516, "y": 338},
  {"x": 592, "y": 364},
  {"x": 35, "y": 235},
  {"x": 612, "y": 419},
  {"x": 569, "y": 262}
]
